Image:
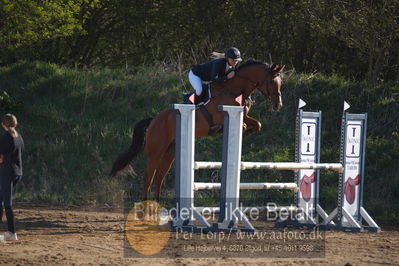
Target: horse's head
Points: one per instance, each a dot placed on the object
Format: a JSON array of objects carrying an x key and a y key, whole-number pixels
[
  {"x": 271, "y": 86},
  {"x": 264, "y": 77}
]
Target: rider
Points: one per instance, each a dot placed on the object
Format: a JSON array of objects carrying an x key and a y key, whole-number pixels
[{"x": 218, "y": 69}]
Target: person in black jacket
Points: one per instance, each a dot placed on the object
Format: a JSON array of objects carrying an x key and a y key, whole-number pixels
[
  {"x": 218, "y": 69},
  {"x": 11, "y": 146}
]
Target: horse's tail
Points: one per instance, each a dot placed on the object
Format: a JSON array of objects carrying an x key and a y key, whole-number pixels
[{"x": 135, "y": 148}]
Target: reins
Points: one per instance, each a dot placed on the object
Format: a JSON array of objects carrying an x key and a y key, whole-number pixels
[{"x": 255, "y": 85}]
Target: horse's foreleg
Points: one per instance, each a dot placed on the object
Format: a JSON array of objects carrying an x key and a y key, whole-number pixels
[
  {"x": 252, "y": 125},
  {"x": 163, "y": 169},
  {"x": 244, "y": 127}
]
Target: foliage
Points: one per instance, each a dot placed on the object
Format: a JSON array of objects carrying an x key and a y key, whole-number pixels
[
  {"x": 75, "y": 123},
  {"x": 30, "y": 27},
  {"x": 6, "y": 102},
  {"x": 370, "y": 28},
  {"x": 356, "y": 39}
]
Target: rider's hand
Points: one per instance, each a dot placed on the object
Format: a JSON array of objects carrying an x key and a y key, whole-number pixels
[{"x": 230, "y": 75}]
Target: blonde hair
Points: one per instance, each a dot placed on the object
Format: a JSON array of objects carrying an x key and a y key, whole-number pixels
[
  {"x": 215, "y": 55},
  {"x": 10, "y": 122}
]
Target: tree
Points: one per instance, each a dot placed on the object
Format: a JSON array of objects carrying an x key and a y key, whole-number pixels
[
  {"x": 370, "y": 27},
  {"x": 32, "y": 29}
]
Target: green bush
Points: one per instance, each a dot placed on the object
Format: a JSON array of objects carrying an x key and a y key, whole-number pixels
[{"x": 76, "y": 122}]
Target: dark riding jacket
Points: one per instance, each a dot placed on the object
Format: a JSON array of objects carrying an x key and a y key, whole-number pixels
[
  {"x": 214, "y": 70},
  {"x": 11, "y": 149}
]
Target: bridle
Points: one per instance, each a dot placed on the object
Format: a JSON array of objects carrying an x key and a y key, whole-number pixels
[{"x": 256, "y": 85}]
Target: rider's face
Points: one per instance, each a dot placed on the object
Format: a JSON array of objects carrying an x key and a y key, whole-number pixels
[{"x": 232, "y": 62}]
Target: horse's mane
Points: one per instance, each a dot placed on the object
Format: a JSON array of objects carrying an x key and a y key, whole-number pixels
[{"x": 251, "y": 62}]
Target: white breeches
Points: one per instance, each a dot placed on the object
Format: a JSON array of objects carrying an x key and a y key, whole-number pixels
[{"x": 196, "y": 82}]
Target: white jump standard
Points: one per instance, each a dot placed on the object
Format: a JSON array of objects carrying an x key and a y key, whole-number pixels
[
  {"x": 350, "y": 211},
  {"x": 306, "y": 185}
]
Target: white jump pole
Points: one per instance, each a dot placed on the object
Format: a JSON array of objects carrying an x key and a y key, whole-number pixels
[
  {"x": 271, "y": 165},
  {"x": 251, "y": 208},
  {"x": 247, "y": 186}
]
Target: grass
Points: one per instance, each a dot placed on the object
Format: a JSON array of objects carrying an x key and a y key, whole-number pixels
[{"x": 75, "y": 123}]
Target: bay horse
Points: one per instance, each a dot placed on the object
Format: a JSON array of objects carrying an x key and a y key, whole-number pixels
[{"x": 157, "y": 134}]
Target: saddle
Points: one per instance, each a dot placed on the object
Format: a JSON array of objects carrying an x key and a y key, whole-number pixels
[
  {"x": 350, "y": 189},
  {"x": 306, "y": 186},
  {"x": 203, "y": 99}
]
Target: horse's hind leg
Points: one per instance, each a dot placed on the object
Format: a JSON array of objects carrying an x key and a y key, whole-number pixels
[
  {"x": 155, "y": 153},
  {"x": 163, "y": 169},
  {"x": 151, "y": 168},
  {"x": 160, "y": 156},
  {"x": 160, "y": 135}
]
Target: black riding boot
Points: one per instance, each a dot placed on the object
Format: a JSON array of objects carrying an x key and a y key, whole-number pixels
[
  {"x": 197, "y": 99},
  {"x": 186, "y": 98}
]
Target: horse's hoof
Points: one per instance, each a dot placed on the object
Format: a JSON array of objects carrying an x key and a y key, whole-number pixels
[{"x": 215, "y": 130}]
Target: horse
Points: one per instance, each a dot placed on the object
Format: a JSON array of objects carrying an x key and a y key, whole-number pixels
[{"x": 157, "y": 134}]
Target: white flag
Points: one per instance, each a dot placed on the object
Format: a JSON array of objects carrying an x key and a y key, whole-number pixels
[
  {"x": 346, "y": 106},
  {"x": 301, "y": 104}
]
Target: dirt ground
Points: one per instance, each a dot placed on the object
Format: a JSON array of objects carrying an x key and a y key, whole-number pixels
[{"x": 83, "y": 235}]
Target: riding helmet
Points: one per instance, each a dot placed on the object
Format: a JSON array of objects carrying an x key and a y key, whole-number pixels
[{"x": 233, "y": 53}]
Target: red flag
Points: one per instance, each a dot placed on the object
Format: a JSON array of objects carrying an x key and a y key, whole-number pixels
[
  {"x": 192, "y": 98},
  {"x": 239, "y": 99}
]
